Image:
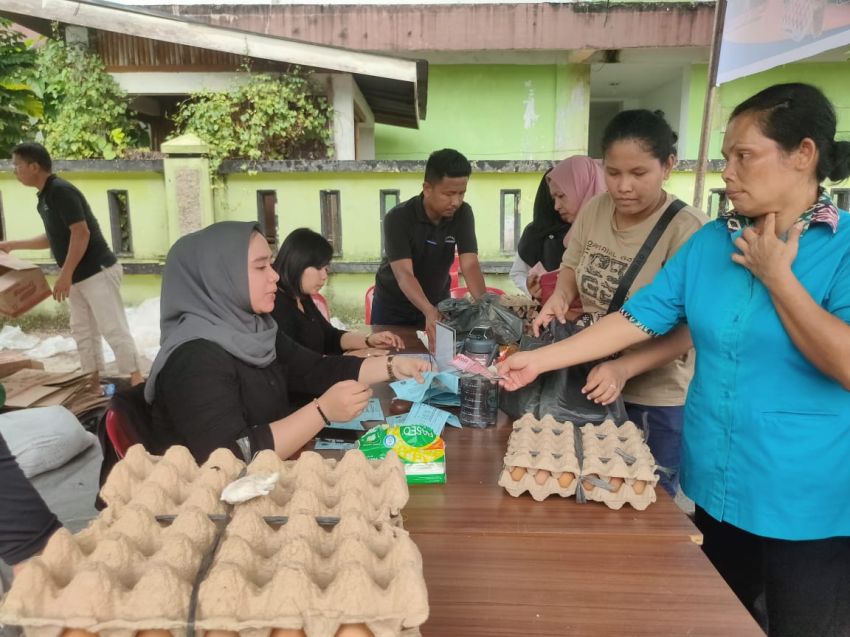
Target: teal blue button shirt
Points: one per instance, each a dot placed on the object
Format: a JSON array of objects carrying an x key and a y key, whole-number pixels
[{"x": 766, "y": 441}]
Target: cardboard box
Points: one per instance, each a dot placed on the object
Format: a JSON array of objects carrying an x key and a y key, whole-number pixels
[
  {"x": 22, "y": 285},
  {"x": 10, "y": 362}
]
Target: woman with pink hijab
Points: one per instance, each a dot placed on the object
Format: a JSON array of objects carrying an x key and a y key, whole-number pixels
[{"x": 562, "y": 193}]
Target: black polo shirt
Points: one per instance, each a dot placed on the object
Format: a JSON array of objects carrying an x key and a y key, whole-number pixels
[
  {"x": 60, "y": 204},
  {"x": 410, "y": 234}
]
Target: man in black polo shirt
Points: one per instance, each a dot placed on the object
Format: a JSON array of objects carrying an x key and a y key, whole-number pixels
[
  {"x": 89, "y": 275},
  {"x": 421, "y": 236}
]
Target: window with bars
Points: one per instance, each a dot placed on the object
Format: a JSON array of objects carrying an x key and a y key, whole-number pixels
[
  {"x": 267, "y": 216},
  {"x": 841, "y": 197},
  {"x": 119, "y": 222},
  {"x": 509, "y": 220},
  {"x": 389, "y": 200},
  {"x": 329, "y": 204},
  {"x": 718, "y": 203}
]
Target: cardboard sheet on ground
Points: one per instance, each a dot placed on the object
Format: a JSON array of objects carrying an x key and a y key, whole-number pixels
[{"x": 439, "y": 387}]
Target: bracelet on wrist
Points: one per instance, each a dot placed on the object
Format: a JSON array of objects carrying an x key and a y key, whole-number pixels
[
  {"x": 321, "y": 413},
  {"x": 367, "y": 340},
  {"x": 390, "y": 371}
]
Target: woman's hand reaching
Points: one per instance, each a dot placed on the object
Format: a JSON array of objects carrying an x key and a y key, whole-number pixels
[
  {"x": 385, "y": 340},
  {"x": 517, "y": 370},
  {"x": 345, "y": 400},
  {"x": 408, "y": 367}
]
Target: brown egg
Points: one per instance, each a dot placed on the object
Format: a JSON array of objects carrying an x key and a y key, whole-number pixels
[
  {"x": 588, "y": 486},
  {"x": 615, "y": 483},
  {"x": 639, "y": 486},
  {"x": 541, "y": 476},
  {"x": 517, "y": 473},
  {"x": 156, "y": 633},
  {"x": 77, "y": 632},
  {"x": 354, "y": 630},
  {"x": 399, "y": 406},
  {"x": 566, "y": 479},
  {"x": 232, "y": 633}
]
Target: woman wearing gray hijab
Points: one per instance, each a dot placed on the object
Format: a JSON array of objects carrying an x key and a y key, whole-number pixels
[{"x": 223, "y": 373}]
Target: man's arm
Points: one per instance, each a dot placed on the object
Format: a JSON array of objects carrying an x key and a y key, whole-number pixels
[
  {"x": 472, "y": 276},
  {"x": 35, "y": 243},
  {"x": 410, "y": 286},
  {"x": 76, "y": 249}
]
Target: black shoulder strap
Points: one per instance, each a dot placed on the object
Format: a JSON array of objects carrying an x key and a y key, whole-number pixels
[{"x": 643, "y": 254}]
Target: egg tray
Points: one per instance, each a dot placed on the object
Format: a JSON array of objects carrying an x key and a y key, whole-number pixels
[
  {"x": 324, "y": 487},
  {"x": 282, "y": 567},
  {"x": 299, "y": 575},
  {"x": 541, "y": 459},
  {"x": 602, "y": 463}
]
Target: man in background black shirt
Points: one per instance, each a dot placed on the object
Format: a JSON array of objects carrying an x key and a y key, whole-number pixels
[
  {"x": 421, "y": 236},
  {"x": 90, "y": 275}
]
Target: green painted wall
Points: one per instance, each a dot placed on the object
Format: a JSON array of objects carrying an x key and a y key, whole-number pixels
[
  {"x": 146, "y": 195},
  {"x": 490, "y": 111}
]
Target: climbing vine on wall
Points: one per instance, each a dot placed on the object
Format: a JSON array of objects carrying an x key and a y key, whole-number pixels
[
  {"x": 267, "y": 117},
  {"x": 86, "y": 113},
  {"x": 20, "y": 106}
]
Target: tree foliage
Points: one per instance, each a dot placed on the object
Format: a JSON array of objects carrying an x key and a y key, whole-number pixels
[
  {"x": 20, "y": 106},
  {"x": 86, "y": 113},
  {"x": 268, "y": 117}
]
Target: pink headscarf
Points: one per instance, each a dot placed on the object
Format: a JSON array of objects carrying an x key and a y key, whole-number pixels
[{"x": 580, "y": 178}]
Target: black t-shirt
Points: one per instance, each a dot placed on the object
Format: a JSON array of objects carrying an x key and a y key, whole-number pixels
[
  {"x": 410, "y": 234},
  {"x": 206, "y": 398},
  {"x": 25, "y": 522},
  {"x": 60, "y": 204},
  {"x": 308, "y": 328}
]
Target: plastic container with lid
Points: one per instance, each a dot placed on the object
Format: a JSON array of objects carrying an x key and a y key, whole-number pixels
[{"x": 481, "y": 345}]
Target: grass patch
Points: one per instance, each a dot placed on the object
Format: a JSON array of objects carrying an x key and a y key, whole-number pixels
[{"x": 41, "y": 321}]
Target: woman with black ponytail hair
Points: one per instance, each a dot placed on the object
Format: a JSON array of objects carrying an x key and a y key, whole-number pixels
[{"x": 765, "y": 292}]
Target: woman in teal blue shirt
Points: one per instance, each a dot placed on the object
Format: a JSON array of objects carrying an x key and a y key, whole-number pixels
[{"x": 766, "y": 295}]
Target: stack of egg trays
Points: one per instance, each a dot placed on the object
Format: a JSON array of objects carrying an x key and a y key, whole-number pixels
[
  {"x": 602, "y": 463},
  {"x": 617, "y": 466},
  {"x": 322, "y": 565},
  {"x": 541, "y": 459}
]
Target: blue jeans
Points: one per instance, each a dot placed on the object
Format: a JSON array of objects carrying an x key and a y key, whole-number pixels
[{"x": 662, "y": 429}]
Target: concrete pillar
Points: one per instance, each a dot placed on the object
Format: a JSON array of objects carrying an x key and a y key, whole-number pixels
[
  {"x": 342, "y": 88},
  {"x": 366, "y": 141},
  {"x": 188, "y": 187},
  {"x": 572, "y": 110}
]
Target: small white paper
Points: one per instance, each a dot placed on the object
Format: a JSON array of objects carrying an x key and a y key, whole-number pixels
[{"x": 249, "y": 487}]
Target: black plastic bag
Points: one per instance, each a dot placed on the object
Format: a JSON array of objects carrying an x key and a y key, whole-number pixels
[
  {"x": 464, "y": 315},
  {"x": 558, "y": 393}
]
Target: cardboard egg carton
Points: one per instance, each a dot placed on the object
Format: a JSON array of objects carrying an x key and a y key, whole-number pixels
[
  {"x": 305, "y": 577},
  {"x": 170, "y": 483},
  {"x": 138, "y": 574},
  {"x": 327, "y": 487},
  {"x": 541, "y": 459},
  {"x": 134, "y": 574},
  {"x": 617, "y": 466},
  {"x": 603, "y": 463},
  {"x": 322, "y": 555}
]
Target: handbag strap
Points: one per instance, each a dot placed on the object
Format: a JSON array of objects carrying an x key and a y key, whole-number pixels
[{"x": 643, "y": 254}]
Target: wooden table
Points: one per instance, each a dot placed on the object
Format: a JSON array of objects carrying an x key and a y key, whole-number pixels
[{"x": 496, "y": 565}]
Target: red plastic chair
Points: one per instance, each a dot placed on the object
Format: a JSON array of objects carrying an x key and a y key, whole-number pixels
[
  {"x": 459, "y": 293},
  {"x": 121, "y": 434},
  {"x": 322, "y": 304},
  {"x": 370, "y": 294}
]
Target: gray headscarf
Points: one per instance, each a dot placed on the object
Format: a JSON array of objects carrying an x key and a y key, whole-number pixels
[{"x": 205, "y": 296}]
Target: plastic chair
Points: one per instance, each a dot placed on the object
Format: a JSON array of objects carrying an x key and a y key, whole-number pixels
[
  {"x": 370, "y": 294},
  {"x": 322, "y": 304},
  {"x": 459, "y": 293}
]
